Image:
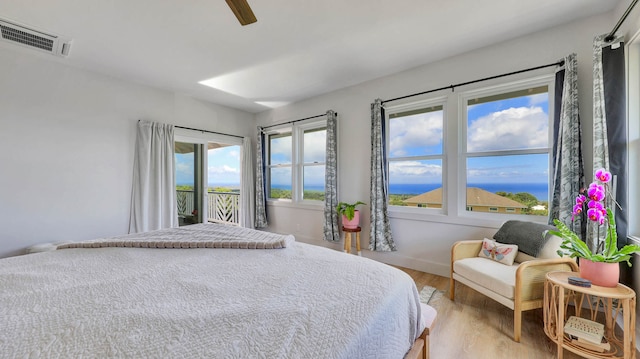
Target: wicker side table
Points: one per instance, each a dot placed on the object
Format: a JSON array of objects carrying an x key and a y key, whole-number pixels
[{"x": 601, "y": 304}]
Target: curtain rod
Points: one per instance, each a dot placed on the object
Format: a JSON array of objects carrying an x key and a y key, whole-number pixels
[
  {"x": 302, "y": 119},
  {"x": 612, "y": 34},
  {"x": 217, "y": 133},
  {"x": 452, "y": 87}
]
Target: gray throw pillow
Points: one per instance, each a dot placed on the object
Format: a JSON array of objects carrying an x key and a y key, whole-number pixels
[{"x": 530, "y": 237}]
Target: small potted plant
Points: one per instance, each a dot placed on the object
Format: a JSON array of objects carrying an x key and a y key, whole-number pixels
[
  {"x": 602, "y": 265},
  {"x": 350, "y": 215}
]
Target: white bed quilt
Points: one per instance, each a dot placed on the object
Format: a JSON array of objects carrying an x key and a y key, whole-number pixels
[{"x": 302, "y": 301}]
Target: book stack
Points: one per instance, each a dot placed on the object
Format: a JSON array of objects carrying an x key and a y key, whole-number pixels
[{"x": 586, "y": 334}]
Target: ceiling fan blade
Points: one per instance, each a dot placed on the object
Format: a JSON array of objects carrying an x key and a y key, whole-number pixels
[{"x": 243, "y": 11}]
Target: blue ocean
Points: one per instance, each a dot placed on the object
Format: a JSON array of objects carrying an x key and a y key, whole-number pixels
[{"x": 539, "y": 190}]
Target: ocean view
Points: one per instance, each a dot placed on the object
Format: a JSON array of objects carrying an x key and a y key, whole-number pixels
[{"x": 539, "y": 190}]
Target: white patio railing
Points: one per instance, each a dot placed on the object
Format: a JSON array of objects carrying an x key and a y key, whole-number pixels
[{"x": 224, "y": 207}]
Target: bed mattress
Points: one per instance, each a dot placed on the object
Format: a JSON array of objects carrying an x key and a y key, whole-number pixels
[{"x": 302, "y": 301}]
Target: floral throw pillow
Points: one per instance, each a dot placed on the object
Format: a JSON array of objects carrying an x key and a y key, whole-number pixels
[{"x": 499, "y": 252}]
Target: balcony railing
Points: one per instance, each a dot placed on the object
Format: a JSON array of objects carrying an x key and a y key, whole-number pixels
[{"x": 223, "y": 207}]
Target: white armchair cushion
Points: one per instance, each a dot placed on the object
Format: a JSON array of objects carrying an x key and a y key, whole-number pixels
[{"x": 489, "y": 274}]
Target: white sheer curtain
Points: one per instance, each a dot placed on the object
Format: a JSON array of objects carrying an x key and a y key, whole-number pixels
[
  {"x": 153, "y": 196},
  {"x": 247, "y": 190}
]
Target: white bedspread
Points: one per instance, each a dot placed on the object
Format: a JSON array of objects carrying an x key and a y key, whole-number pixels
[{"x": 300, "y": 302}]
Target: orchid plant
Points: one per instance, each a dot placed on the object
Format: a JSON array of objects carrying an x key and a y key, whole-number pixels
[{"x": 598, "y": 213}]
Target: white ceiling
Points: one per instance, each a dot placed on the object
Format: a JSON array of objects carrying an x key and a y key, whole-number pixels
[{"x": 296, "y": 50}]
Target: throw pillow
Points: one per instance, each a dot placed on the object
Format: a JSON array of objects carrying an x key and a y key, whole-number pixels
[
  {"x": 499, "y": 252},
  {"x": 530, "y": 237}
]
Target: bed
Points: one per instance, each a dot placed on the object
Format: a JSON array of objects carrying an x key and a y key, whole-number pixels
[{"x": 191, "y": 292}]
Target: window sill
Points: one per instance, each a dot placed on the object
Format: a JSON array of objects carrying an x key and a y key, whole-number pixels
[
  {"x": 486, "y": 220},
  {"x": 308, "y": 205}
]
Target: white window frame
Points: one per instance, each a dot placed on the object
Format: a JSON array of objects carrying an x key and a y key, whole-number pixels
[
  {"x": 297, "y": 131},
  {"x": 633, "y": 108},
  {"x": 463, "y": 98},
  {"x": 416, "y": 105}
]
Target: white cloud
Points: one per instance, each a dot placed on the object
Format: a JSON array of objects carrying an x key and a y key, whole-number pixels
[
  {"x": 513, "y": 128},
  {"x": 315, "y": 144},
  {"x": 538, "y": 99},
  {"x": 224, "y": 169},
  {"x": 234, "y": 154},
  {"x": 414, "y": 168},
  {"x": 422, "y": 130},
  {"x": 281, "y": 148}
]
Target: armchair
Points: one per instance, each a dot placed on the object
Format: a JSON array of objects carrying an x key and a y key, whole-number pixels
[{"x": 519, "y": 286}]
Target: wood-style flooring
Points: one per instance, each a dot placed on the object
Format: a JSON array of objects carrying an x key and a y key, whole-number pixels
[{"x": 476, "y": 327}]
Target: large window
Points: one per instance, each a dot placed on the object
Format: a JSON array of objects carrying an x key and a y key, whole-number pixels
[
  {"x": 296, "y": 162},
  {"x": 415, "y": 154},
  {"x": 506, "y": 149},
  {"x": 482, "y": 153}
]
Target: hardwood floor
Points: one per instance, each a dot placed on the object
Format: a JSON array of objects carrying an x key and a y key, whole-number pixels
[{"x": 476, "y": 327}]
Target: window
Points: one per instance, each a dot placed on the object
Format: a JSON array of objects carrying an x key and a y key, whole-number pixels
[
  {"x": 507, "y": 145},
  {"x": 415, "y": 150},
  {"x": 296, "y": 162},
  {"x": 207, "y": 177}
]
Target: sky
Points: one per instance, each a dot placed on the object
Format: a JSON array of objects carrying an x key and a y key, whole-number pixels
[{"x": 223, "y": 167}]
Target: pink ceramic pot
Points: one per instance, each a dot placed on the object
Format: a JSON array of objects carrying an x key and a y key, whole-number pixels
[
  {"x": 600, "y": 273},
  {"x": 351, "y": 224}
]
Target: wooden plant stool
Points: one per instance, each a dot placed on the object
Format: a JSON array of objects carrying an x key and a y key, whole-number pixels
[{"x": 347, "y": 239}]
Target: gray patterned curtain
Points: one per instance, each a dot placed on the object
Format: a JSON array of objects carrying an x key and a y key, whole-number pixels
[
  {"x": 609, "y": 124},
  {"x": 261, "y": 196},
  {"x": 331, "y": 228},
  {"x": 380, "y": 235},
  {"x": 568, "y": 168}
]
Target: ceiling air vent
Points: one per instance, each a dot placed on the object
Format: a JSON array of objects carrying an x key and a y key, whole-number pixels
[{"x": 35, "y": 39}]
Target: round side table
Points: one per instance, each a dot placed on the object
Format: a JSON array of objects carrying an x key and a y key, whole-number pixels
[
  {"x": 601, "y": 304},
  {"x": 347, "y": 239}
]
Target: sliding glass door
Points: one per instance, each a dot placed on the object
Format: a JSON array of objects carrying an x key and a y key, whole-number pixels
[{"x": 207, "y": 178}]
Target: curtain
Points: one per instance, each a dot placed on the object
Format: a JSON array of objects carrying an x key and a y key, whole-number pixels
[
  {"x": 247, "y": 190},
  {"x": 153, "y": 197},
  {"x": 331, "y": 228},
  {"x": 261, "y": 199},
  {"x": 609, "y": 123},
  {"x": 568, "y": 168},
  {"x": 380, "y": 234}
]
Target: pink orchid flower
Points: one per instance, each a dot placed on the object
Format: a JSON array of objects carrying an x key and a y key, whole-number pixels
[
  {"x": 596, "y": 192},
  {"x": 603, "y": 175}
]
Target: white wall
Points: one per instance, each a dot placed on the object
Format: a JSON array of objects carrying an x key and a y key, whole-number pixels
[
  {"x": 424, "y": 244},
  {"x": 66, "y": 147}
]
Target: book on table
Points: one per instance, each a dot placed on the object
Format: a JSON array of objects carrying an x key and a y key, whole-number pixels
[
  {"x": 585, "y": 329},
  {"x": 600, "y": 348}
]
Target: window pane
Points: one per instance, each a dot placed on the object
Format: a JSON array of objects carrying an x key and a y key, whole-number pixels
[
  {"x": 280, "y": 179},
  {"x": 515, "y": 120},
  {"x": 508, "y": 184},
  {"x": 313, "y": 183},
  {"x": 416, "y": 133},
  {"x": 315, "y": 145},
  {"x": 415, "y": 183},
  {"x": 224, "y": 168},
  {"x": 280, "y": 149}
]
